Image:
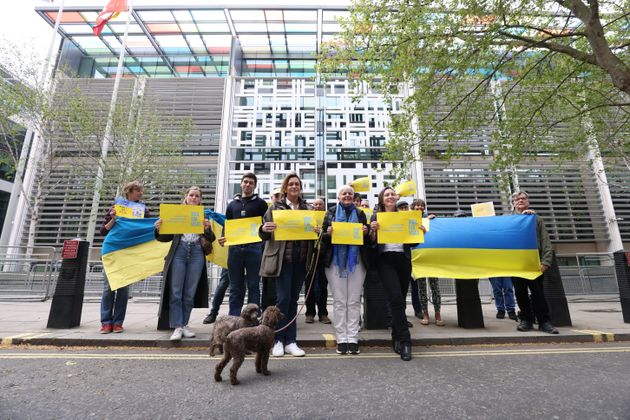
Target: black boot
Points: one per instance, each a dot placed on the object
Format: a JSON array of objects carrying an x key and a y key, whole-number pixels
[
  {"x": 405, "y": 352},
  {"x": 396, "y": 346}
]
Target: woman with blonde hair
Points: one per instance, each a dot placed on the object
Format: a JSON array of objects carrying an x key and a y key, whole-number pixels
[{"x": 185, "y": 282}]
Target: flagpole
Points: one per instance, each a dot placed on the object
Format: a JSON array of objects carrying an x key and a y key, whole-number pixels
[
  {"x": 98, "y": 183},
  {"x": 30, "y": 139}
]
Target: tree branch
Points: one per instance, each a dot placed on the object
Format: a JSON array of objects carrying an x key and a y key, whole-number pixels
[{"x": 552, "y": 46}]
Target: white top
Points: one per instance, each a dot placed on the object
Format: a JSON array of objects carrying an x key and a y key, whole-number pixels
[
  {"x": 393, "y": 248},
  {"x": 190, "y": 237}
]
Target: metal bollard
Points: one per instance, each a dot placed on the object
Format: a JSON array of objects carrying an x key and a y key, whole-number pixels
[
  {"x": 67, "y": 303},
  {"x": 622, "y": 268}
]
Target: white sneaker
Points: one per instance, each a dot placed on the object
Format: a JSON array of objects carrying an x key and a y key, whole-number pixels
[
  {"x": 177, "y": 334},
  {"x": 187, "y": 332},
  {"x": 278, "y": 349},
  {"x": 294, "y": 350}
]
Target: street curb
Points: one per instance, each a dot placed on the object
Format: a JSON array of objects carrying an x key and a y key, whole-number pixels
[{"x": 320, "y": 343}]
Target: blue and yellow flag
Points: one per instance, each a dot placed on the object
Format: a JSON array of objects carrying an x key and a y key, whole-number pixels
[
  {"x": 473, "y": 248},
  {"x": 130, "y": 252}
]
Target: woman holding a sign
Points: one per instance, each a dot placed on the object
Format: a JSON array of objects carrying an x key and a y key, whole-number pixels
[
  {"x": 394, "y": 269},
  {"x": 345, "y": 258},
  {"x": 114, "y": 303},
  {"x": 185, "y": 282},
  {"x": 286, "y": 261}
]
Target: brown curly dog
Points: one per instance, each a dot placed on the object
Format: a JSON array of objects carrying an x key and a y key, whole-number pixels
[
  {"x": 228, "y": 323},
  {"x": 257, "y": 339}
]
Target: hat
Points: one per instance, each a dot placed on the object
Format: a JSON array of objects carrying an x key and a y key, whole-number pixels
[
  {"x": 276, "y": 191},
  {"x": 460, "y": 213},
  {"x": 402, "y": 204}
]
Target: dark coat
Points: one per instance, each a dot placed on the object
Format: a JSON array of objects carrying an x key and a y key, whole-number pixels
[
  {"x": 203, "y": 289},
  {"x": 327, "y": 251},
  {"x": 379, "y": 247}
]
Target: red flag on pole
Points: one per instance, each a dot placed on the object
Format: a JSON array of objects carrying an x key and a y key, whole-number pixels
[{"x": 110, "y": 11}]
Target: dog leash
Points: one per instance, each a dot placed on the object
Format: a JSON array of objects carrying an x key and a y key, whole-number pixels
[{"x": 313, "y": 270}]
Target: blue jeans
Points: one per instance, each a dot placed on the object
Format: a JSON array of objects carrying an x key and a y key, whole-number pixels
[
  {"x": 219, "y": 292},
  {"x": 113, "y": 304},
  {"x": 503, "y": 293},
  {"x": 185, "y": 272},
  {"x": 243, "y": 266},
  {"x": 288, "y": 287}
]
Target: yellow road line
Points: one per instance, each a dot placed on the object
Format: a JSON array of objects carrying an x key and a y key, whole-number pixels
[
  {"x": 598, "y": 336},
  {"x": 6, "y": 341},
  {"x": 473, "y": 353},
  {"x": 330, "y": 341}
]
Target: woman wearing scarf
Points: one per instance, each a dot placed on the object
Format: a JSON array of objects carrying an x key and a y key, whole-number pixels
[{"x": 345, "y": 271}]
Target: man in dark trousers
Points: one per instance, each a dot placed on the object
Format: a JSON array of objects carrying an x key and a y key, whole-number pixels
[
  {"x": 244, "y": 260},
  {"x": 537, "y": 305}
]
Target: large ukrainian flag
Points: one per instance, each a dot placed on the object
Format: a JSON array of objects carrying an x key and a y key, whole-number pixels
[
  {"x": 130, "y": 252},
  {"x": 473, "y": 248}
]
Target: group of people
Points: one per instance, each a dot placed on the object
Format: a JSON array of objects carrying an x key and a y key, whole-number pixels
[{"x": 285, "y": 266}]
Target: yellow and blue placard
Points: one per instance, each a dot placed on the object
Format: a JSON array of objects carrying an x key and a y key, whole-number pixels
[
  {"x": 473, "y": 248},
  {"x": 294, "y": 225},
  {"x": 360, "y": 184},
  {"x": 242, "y": 231},
  {"x": 181, "y": 218},
  {"x": 219, "y": 253},
  {"x": 406, "y": 189},
  {"x": 399, "y": 227},
  {"x": 345, "y": 233},
  {"x": 129, "y": 209}
]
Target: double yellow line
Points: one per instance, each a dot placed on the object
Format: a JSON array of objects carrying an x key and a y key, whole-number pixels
[{"x": 312, "y": 356}]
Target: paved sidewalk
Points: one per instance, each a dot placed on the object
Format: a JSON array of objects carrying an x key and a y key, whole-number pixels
[{"x": 25, "y": 323}]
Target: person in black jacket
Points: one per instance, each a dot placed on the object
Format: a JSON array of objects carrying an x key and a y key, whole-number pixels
[
  {"x": 346, "y": 266},
  {"x": 244, "y": 260},
  {"x": 394, "y": 269},
  {"x": 185, "y": 282}
]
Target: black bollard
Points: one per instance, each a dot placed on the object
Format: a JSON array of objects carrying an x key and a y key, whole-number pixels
[
  {"x": 67, "y": 303},
  {"x": 622, "y": 268},
  {"x": 554, "y": 294},
  {"x": 374, "y": 302},
  {"x": 469, "y": 313}
]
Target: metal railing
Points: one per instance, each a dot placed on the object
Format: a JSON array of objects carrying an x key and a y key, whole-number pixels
[
  {"x": 28, "y": 275},
  {"x": 588, "y": 273}
]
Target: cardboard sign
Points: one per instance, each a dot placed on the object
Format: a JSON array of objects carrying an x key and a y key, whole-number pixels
[
  {"x": 129, "y": 209},
  {"x": 400, "y": 227},
  {"x": 181, "y": 218},
  {"x": 294, "y": 225},
  {"x": 242, "y": 231},
  {"x": 361, "y": 184},
  {"x": 344, "y": 233},
  {"x": 483, "y": 209}
]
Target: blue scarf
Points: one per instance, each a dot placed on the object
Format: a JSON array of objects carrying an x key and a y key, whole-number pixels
[{"x": 345, "y": 255}]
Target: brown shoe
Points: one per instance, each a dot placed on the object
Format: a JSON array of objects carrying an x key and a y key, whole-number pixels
[
  {"x": 310, "y": 319},
  {"x": 324, "y": 319}
]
